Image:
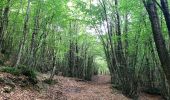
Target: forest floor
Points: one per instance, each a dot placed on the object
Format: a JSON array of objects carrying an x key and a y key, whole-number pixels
[{"x": 68, "y": 89}]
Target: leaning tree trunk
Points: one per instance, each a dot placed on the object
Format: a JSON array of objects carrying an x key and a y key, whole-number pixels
[
  {"x": 25, "y": 29},
  {"x": 165, "y": 10},
  {"x": 4, "y": 23},
  {"x": 158, "y": 37},
  {"x": 128, "y": 88},
  {"x": 33, "y": 46}
]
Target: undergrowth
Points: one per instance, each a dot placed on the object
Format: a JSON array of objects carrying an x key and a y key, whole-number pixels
[
  {"x": 11, "y": 70},
  {"x": 21, "y": 70},
  {"x": 49, "y": 81}
]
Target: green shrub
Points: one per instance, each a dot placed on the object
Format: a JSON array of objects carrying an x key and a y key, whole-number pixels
[
  {"x": 29, "y": 72},
  {"x": 1, "y": 80},
  {"x": 49, "y": 81},
  {"x": 1, "y": 62},
  {"x": 11, "y": 70},
  {"x": 21, "y": 70},
  {"x": 152, "y": 90}
]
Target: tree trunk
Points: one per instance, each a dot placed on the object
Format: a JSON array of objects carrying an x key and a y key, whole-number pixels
[
  {"x": 158, "y": 37},
  {"x": 165, "y": 10},
  {"x": 33, "y": 46},
  {"x": 54, "y": 66},
  {"x": 25, "y": 31},
  {"x": 4, "y": 23}
]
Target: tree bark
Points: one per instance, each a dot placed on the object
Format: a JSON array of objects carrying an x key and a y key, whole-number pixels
[
  {"x": 25, "y": 31},
  {"x": 33, "y": 45},
  {"x": 158, "y": 37},
  {"x": 4, "y": 23},
  {"x": 165, "y": 10},
  {"x": 54, "y": 66}
]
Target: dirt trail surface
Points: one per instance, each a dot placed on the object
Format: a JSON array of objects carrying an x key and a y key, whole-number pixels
[
  {"x": 68, "y": 89},
  {"x": 76, "y": 89}
]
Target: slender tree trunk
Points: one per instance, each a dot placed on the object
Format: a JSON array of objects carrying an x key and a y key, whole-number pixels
[
  {"x": 109, "y": 45},
  {"x": 120, "y": 52},
  {"x": 54, "y": 66},
  {"x": 33, "y": 46},
  {"x": 1, "y": 27},
  {"x": 165, "y": 10},
  {"x": 4, "y": 23},
  {"x": 126, "y": 35},
  {"x": 25, "y": 32}
]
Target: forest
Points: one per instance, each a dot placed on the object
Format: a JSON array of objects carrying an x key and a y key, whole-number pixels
[{"x": 127, "y": 41}]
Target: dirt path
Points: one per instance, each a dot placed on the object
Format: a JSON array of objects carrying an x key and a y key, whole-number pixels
[
  {"x": 97, "y": 89},
  {"x": 71, "y": 89},
  {"x": 65, "y": 89},
  {"x": 74, "y": 90}
]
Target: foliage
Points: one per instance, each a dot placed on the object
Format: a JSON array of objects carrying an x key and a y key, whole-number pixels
[
  {"x": 20, "y": 70},
  {"x": 29, "y": 72},
  {"x": 82, "y": 38},
  {"x": 11, "y": 70}
]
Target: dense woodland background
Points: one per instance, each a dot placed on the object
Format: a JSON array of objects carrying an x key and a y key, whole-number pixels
[{"x": 128, "y": 39}]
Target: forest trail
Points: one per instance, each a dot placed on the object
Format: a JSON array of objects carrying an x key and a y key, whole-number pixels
[
  {"x": 76, "y": 89},
  {"x": 70, "y": 89}
]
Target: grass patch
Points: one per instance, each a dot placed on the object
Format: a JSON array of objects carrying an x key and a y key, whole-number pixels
[
  {"x": 11, "y": 70},
  {"x": 29, "y": 72}
]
